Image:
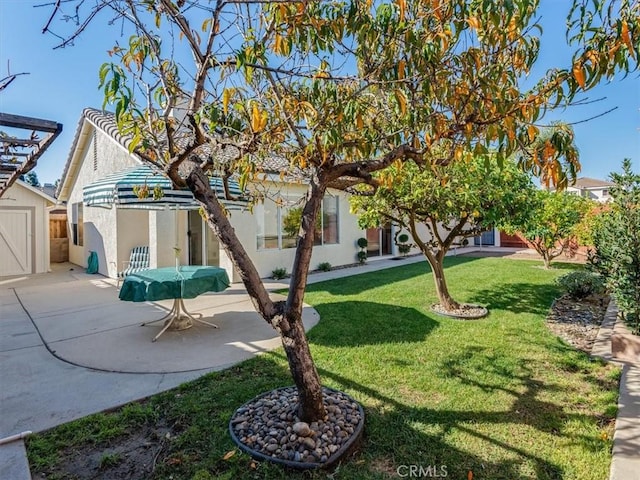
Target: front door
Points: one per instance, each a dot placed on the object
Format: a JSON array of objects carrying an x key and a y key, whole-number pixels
[{"x": 204, "y": 248}]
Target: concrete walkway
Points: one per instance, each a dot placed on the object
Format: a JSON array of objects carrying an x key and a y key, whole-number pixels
[
  {"x": 625, "y": 464},
  {"x": 70, "y": 348}
]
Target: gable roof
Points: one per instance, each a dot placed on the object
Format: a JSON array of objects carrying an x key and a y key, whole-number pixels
[
  {"x": 587, "y": 183},
  {"x": 34, "y": 190},
  {"x": 105, "y": 121}
]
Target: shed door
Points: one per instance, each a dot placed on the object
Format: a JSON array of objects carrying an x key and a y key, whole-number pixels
[{"x": 15, "y": 242}]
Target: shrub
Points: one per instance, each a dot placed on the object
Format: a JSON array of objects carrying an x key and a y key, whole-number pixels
[
  {"x": 616, "y": 240},
  {"x": 279, "y": 273},
  {"x": 581, "y": 284},
  {"x": 362, "y": 254},
  {"x": 324, "y": 267}
]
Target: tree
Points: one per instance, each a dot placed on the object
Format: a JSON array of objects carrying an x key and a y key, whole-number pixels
[
  {"x": 552, "y": 224},
  {"x": 617, "y": 244},
  {"x": 339, "y": 89},
  {"x": 455, "y": 202},
  {"x": 32, "y": 179}
]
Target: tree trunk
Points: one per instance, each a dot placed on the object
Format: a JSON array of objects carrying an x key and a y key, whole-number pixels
[
  {"x": 285, "y": 318},
  {"x": 437, "y": 267},
  {"x": 294, "y": 340},
  {"x": 303, "y": 370}
]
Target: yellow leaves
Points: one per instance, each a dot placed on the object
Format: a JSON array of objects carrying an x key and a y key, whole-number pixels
[
  {"x": 458, "y": 153},
  {"x": 401, "y": 69},
  {"x": 474, "y": 23},
  {"x": 532, "y": 131},
  {"x": 437, "y": 9},
  {"x": 226, "y": 96},
  {"x": 359, "y": 122},
  {"x": 281, "y": 45},
  {"x": 578, "y": 74},
  {"x": 229, "y": 454},
  {"x": 402, "y": 7},
  {"x": 401, "y": 98},
  {"x": 258, "y": 118},
  {"x": 592, "y": 56},
  {"x": 626, "y": 38}
]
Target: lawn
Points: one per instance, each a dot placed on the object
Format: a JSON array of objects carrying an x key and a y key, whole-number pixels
[{"x": 501, "y": 397}]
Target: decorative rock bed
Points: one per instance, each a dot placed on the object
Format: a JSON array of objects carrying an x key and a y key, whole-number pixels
[
  {"x": 267, "y": 428},
  {"x": 466, "y": 311}
]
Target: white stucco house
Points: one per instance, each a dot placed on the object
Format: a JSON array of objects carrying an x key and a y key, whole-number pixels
[
  {"x": 24, "y": 230},
  {"x": 591, "y": 188},
  {"x": 98, "y": 150}
]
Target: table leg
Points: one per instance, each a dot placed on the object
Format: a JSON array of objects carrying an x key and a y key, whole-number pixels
[
  {"x": 177, "y": 309},
  {"x": 169, "y": 316},
  {"x": 191, "y": 315}
]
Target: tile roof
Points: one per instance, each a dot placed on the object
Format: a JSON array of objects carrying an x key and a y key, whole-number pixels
[
  {"x": 106, "y": 122},
  {"x": 586, "y": 182}
]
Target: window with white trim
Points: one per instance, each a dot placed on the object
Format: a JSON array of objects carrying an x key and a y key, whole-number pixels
[{"x": 278, "y": 223}]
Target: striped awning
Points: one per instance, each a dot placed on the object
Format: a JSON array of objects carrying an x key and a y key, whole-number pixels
[{"x": 119, "y": 188}]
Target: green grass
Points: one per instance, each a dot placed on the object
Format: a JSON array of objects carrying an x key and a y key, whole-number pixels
[{"x": 499, "y": 396}]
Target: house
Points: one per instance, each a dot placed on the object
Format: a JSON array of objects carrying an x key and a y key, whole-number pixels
[
  {"x": 24, "y": 230},
  {"x": 591, "y": 188},
  {"x": 99, "y": 150}
]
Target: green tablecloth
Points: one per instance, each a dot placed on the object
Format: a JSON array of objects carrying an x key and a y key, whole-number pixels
[{"x": 188, "y": 281}]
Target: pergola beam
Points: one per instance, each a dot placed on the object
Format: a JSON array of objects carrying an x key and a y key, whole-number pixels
[{"x": 10, "y": 168}]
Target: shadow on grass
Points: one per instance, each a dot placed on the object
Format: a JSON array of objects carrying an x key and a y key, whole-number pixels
[
  {"x": 353, "y": 285},
  {"x": 392, "y": 432},
  {"x": 517, "y": 297},
  {"x": 372, "y": 323}
]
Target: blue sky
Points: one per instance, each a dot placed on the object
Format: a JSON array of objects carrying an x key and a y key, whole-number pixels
[{"x": 62, "y": 82}]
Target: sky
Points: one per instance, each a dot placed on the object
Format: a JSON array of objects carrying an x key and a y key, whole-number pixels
[{"x": 62, "y": 82}]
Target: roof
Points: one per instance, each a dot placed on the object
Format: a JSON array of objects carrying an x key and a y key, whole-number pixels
[
  {"x": 35, "y": 190},
  {"x": 586, "y": 182},
  {"x": 106, "y": 122}
]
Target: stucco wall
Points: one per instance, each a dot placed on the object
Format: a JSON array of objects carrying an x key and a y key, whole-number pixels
[
  {"x": 18, "y": 197},
  {"x": 266, "y": 260},
  {"x": 100, "y": 224}
]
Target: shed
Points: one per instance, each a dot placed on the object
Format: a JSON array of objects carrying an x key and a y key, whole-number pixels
[{"x": 24, "y": 230}]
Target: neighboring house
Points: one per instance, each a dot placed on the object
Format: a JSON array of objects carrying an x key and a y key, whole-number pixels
[
  {"x": 99, "y": 150},
  {"x": 591, "y": 188},
  {"x": 24, "y": 230}
]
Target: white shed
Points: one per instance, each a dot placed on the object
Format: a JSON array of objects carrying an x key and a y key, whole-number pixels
[{"x": 24, "y": 230}]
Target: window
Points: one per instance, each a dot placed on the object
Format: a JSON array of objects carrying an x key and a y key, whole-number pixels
[
  {"x": 330, "y": 220},
  {"x": 605, "y": 193},
  {"x": 77, "y": 224},
  {"x": 278, "y": 225},
  {"x": 267, "y": 223}
]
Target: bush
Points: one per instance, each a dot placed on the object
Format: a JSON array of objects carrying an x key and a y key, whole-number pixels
[
  {"x": 362, "y": 254},
  {"x": 581, "y": 284},
  {"x": 324, "y": 267},
  {"x": 279, "y": 273}
]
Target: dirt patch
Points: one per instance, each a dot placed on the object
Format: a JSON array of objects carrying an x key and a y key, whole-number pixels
[
  {"x": 577, "y": 321},
  {"x": 132, "y": 456}
]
